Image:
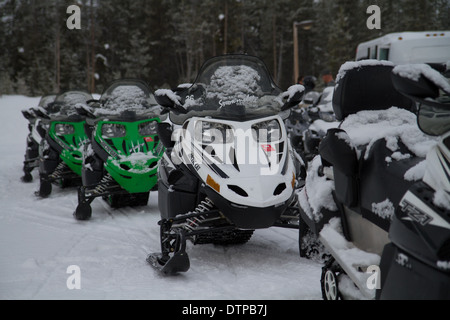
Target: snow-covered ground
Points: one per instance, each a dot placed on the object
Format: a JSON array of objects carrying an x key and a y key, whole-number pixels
[{"x": 40, "y": 240}]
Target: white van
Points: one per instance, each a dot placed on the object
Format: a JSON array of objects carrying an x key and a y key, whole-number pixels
[{"x": 408, "y": 47}]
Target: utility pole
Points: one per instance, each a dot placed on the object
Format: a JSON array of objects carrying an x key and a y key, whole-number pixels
[
  {"x": 225, "y": 31},
  {"x": 305, "y": 25}
]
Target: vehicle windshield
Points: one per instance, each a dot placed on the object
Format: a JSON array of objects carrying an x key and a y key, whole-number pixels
[
  {"x": 123, "y": 95},
  {"x": 46, "y": 100},
  {"x": 233, "y": 87},
  {"x": 66, "y": 102}
]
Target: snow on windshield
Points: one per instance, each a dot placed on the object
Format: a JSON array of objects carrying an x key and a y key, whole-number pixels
[
  {"x": 235, "y": 85},
  {"x": 69, "y": 101},
  {"x": 72, "y": 98},
  {"x": 122, "y": 98},
  {"x": 46, "y": 100}
]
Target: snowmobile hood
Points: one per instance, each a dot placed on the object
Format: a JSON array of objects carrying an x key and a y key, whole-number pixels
[
  {"x": 133, "y": 150},
  {"x": 245, "y": 162},
  {"x": 69, "y": 139}
]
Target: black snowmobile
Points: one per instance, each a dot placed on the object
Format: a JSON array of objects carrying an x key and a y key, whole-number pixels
[
  {"x": 36, "y": 133},
  {"x": 229, "y": 169},
  {"x": 308, "y": 125},
  {"x": 60, "y": 152},
  {"x": 120, "y": 160},
  {"x": 368, "y": 201}
]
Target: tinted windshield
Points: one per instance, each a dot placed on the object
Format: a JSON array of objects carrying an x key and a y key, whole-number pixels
[
  {"x": 66, "y": 102},
  {"x": 231, "y": 86},
  {"x": 45, "y": 100},
  {"x": 123, "y": 95}
]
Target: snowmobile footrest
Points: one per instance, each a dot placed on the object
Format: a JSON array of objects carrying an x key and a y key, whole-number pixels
[{"x": 179, "y": 262}]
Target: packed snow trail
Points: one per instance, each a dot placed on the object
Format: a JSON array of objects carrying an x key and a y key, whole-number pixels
[{"x": 40, "y": 239}]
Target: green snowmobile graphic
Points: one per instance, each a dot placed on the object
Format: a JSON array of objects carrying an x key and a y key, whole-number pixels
[{"x": 120, "y": 162}]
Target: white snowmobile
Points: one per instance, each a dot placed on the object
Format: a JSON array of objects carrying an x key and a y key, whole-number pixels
[
  {"x": 372, "y": 197},
  {"x": 229, "y": 169}
]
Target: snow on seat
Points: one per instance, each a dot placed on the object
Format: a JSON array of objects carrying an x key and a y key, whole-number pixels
[{"x": 391, "y": 150}]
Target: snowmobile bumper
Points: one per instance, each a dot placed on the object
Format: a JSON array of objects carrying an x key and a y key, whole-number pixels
[
  {"x": 131, "y": 178},
  {"x": 247, "y": 217},
  {"x": 73, "y": 160}
]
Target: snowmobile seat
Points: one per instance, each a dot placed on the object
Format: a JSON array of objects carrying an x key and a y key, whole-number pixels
[
  {"x": 382, "y": 181},
  {"x": 363, "y": 181},
  {"x": 368, "y": 87}
]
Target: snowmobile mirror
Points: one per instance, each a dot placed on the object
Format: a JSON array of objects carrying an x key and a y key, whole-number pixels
[
  {"x": 27, "y": 114},
  {"x": 421, "y": 89},
  {"x": 294, "y": 96},
  {"x": 433, "y": 118},
  {"x": 85, "y": 111},
  {"x": 423, "y": 85},
  {"x": 164, "y": 130},
  {"x": 168, "y": 99}
]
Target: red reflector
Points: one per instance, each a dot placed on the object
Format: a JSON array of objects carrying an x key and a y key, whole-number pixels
[
  {"x": 267, "y": 147},
  {"x": 148, "y": 139}
]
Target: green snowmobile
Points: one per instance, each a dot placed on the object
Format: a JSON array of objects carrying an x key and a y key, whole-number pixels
[
  {"x": 60, "y": 152},
  {"x": 120, "y": 162}
]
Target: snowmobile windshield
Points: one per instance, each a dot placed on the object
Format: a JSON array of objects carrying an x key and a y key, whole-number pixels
[
  {"x": 65, "y": 103},
  {"x": 237, "y": 87},
  {"x": 127, "y": 95},
  {"x": 46, "y": 100}
]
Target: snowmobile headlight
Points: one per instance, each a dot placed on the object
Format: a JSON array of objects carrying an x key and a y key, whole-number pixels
[
  {"x": 61, "y": 129},
  {"x": 113, "y": 130},
  {"x": 148, "y": 128},
  {"x": 213, "y": 132},
  {"x": 267, "y": 131}
]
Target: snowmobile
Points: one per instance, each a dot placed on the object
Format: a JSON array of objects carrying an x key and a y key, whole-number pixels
[
  {"x": 60, "y": 152},
  {"x": 229, "y": 169},
  {"x": 308, "y": 125},
  {"x": 120, "y": 161},
  {"x": 36, "y": 133},
  {"x": 322, "y": 118},
  {"x": 366, "y": 196}
]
